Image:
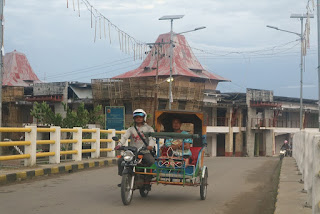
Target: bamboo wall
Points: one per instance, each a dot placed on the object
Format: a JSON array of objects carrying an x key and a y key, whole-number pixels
[
  {"x": 140, "y": 93},
  {"x": 131, "y": 88},
  {"x": 12, "y": 93}
]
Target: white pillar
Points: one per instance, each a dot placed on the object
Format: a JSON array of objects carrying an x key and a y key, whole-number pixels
[
  {"x": 56, "y": 136},
  {"x": 32, "y": 148},
  {"x": 214, "y": 145},
  {"x": 316, "y": 177},
  {"x": 111, "y": 145},
  {"x": 96, "y": 145},
  {"x": 78, "y": 145}
]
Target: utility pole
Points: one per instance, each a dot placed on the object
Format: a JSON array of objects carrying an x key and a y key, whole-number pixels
[
  {"x": 318, "y": 24},
  {"x": 171, "y": 18},
  {"x": 301, "y": 76},
  {"x": 171, "y": 56},
  {"x": 1, "y": 63},
  {"x": 301, "y": 17}
]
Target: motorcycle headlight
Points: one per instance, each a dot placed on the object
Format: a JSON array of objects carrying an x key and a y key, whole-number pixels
[{"x": 128, "y": 156}]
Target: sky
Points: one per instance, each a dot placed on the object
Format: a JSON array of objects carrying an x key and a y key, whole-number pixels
[{"x": 236, "y": 43}]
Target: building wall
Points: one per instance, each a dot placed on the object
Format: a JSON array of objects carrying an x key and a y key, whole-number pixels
[
  {"x": 45, "y": 89},
  {"x": 212, "y": 145}
]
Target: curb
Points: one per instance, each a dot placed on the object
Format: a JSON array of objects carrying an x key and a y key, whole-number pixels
[
  {"x": 278, "y": 188},
  {"x": 69, "y": 168}
]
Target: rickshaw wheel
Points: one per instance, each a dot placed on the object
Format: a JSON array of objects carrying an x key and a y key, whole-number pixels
[
  {"x": 126, "y": 191},
  {"x": 143, "y": 192},
  {"x": 203, "y": 185}
]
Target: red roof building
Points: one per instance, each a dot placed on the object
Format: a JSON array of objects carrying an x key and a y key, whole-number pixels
[
  {"x": 184, "y": 62},
  {"x": 17, "y": 70}
]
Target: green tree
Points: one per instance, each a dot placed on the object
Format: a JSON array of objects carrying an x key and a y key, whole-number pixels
[
  {"x": 74, "y": 118},
  {"x": 44, "y": 114}
]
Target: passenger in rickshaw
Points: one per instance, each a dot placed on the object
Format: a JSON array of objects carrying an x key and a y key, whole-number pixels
[{"x": 173, "y": 147}]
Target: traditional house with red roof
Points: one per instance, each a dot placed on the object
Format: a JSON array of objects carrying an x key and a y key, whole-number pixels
[
  {"x": 146, "y": 87},
  {"x": 17, "y": 70}
]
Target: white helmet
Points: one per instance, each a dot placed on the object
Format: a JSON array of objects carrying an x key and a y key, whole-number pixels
[{"x": 140, "y": 112}]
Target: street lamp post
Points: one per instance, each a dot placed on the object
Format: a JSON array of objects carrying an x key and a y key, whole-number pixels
[
  {"x": 318, "y": 25},
  {"x": 171, "y": 18},
  {"x": 301, "y": 17}
]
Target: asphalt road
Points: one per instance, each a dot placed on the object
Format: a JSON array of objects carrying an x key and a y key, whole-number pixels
[{"x": 236, "y": 185}]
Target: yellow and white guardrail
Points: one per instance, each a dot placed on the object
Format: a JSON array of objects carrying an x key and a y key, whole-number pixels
[{"x": 30, "y": 143}]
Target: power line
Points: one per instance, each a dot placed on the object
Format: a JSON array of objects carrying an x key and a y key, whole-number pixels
[
  {"x": 226, "y": 53},
  {"x": 92, "y": 68},
  {"x": 283, "y": 52},
  {"x": 106, "y": 72}
]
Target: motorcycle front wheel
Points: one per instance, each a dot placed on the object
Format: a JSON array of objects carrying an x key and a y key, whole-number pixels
[
  {"x": 126, "y": 190},
  {"x": 281, "y": 156}
]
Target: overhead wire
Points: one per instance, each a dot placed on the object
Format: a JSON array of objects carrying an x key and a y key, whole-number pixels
[
  {"x": 227, "y": 52},
  {"x": 106, "y": 72},
  {"x": 92, "y": 68},
  {"x": 89, "y": 70}
]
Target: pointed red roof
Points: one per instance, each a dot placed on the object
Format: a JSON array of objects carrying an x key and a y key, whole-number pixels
[
  {"x": 17, "y": 70},
  {"x": 184, "y": 62}
]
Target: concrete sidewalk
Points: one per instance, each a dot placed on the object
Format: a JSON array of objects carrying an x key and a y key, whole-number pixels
[
  {"x": 10, "y": 175},
  {"x": 290, "y": 197}
]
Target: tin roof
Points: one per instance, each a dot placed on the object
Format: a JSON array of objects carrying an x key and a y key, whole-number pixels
[
  {"x": 184, "y": 62},
  {"x": 17, "y": 70}
]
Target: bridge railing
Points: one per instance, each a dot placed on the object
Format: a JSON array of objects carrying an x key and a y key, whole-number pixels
[
  {"x": 98, "y": 137},
  {"x": 306, "y": 151}
]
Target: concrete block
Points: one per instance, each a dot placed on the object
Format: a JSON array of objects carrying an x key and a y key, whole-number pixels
[
  {"x": 56, "y": 136},
  {"x": 111, "y": 145},
  {"x": 32, "y": 148},
  {"x": 77, "y": 146},
  {"x": 96, "y": 145}
]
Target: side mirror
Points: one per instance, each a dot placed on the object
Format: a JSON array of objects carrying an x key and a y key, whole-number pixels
[{"x": 115, "y": 138}]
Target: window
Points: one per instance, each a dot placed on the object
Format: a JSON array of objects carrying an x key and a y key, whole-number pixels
[
  {"x": 162, "y": 104},
  {"x": 182, "y": 105},
  {"x": 128, "y": 107}
]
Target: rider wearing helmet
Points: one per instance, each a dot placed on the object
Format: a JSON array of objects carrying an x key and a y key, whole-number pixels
[
  {"x": 285, "y": 145},
  {"x": 140, "y": 125}
]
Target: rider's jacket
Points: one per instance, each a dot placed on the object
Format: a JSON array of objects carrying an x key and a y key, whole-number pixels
[
  {"x": 285, "y": 146},
  {"x": 135, "y": 140}
]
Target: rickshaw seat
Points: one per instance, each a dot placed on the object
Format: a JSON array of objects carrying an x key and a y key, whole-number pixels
[{"x": 195, "y": 153}]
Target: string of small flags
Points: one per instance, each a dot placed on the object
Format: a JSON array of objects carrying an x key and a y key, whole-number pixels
[
  {"x": 306, "y": 42},
  {"x": 102, "y": 24}
]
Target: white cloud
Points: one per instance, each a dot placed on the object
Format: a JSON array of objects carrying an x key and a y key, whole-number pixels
[{"x": 48, "y": 29}]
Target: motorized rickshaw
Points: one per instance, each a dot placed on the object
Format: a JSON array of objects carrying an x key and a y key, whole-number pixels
[{"x": 168, "y": 170}]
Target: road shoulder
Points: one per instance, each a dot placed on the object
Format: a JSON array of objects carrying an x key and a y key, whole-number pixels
[
  {"x": 290, "y": 197},
  {"x": 8, "y": 176}
]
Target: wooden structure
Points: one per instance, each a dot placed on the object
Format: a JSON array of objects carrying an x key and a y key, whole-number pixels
[{"x": 146, "y": 87}]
